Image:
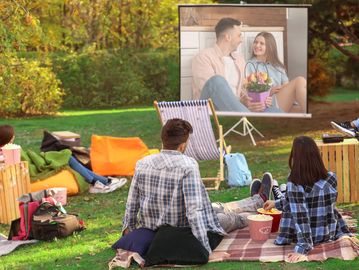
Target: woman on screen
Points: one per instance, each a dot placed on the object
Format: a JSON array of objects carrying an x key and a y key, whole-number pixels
[{"x": 290, "y": 95}]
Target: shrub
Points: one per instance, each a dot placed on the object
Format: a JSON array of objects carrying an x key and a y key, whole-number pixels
[
  {"x": 320, "y": 79},
  {"x": 112, "y": 78},
  {"x": 27, "y": 88}
]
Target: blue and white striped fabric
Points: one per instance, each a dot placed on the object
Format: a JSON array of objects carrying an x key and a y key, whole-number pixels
[{"x": 202, "y": 143}]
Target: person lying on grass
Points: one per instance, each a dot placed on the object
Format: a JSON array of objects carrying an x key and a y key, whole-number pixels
[
  {"x": 99, "y": 184},
  {"x": 309, "y": 215}
]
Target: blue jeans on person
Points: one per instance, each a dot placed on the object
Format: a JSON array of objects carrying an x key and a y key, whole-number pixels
[
  {"x": 218, "y": 89},
  {"x": 356, "y": 123},
  {"x": 89, "y": 175}
]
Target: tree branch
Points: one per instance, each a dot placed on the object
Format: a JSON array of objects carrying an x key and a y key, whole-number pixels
[{"x": 326, "y": 38}]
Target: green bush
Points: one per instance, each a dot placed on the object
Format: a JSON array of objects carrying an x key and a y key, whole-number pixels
[
  {"x": 112, "y": 78},
  {"x": 27, "y": 88}
]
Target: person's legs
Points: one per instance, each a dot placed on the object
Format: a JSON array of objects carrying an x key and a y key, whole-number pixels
[
  {"x": 89, "y": 176},
  {"x": 219, "y": 91},
  {"x": 356, "y": 123},
  {"x": 295, "y": 90}
]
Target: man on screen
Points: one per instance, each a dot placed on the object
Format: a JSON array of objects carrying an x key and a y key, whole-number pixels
[{"x": 218, "y": 72}]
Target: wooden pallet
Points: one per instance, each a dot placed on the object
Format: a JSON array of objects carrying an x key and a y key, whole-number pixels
[
  {"x": 343, "y": 159},
  {"x": 14, "y": 182}
]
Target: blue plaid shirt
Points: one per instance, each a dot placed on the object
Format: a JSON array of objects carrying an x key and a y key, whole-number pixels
[
  {"x": 309, "y": 215},
  {"x": 167, "y": 190}
]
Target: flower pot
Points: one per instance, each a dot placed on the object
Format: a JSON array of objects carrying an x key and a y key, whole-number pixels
[{"x": 258, "y": 97}]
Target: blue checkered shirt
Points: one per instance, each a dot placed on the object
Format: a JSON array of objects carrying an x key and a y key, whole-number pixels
[
  {"x": 167, "y": 189},
  {"x": 309, "y": 215}
]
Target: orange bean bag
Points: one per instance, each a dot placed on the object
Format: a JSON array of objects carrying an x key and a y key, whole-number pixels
[
  {"x": 64, "y": 178},
  {"x": 116, "y": 156}
]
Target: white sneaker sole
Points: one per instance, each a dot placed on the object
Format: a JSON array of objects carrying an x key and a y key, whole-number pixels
[{"x": 343, "y": 130}]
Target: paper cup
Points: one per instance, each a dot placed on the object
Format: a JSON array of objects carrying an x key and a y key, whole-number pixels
[
  {"x": 259, "y": 227},
  {"x": 12, "y": 155},
  {"x": 60, "y": 195},
  {"x": 276, "y": 215}
]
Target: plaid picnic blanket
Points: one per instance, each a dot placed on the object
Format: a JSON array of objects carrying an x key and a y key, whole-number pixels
[{"x": 237, "y": 246}]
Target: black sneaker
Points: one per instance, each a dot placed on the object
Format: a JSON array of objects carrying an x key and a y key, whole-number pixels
[
  {"x": 277, "y": 194},
  {"x": 344, "y": 127},
  {"x": 267, "y": 184},
  {"x": 254, "y": 187}
]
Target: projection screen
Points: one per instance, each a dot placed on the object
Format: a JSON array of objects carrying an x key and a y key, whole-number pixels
[{"x": 257, "y": 68}]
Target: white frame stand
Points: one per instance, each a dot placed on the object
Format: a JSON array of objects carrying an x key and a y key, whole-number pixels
[{"x": 247, "y": 129}]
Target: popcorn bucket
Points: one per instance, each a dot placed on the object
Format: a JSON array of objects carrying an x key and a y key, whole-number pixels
[
  {"x": 12, "y": 154},
  {"x": 259, "y": 227},
  {"x": 60, "y": 195},
  {"x": 275, "y": 214}
]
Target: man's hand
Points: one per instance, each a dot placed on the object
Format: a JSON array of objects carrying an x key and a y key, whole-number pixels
[
  {"x": 296, "y": 257},
  {"x": 268, "y": 205},
  {"x": 125, "y": 231}
]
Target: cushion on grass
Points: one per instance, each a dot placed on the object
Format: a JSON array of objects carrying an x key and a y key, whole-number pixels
[
  {"x": 116, "y": 156},
  {"x": 173, "y": 245},
  {"x": 64, "y": 178},
  {"x": 139, "y": 240}
]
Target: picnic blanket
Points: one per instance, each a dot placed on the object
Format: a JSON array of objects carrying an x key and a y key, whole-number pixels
[
  {"x": 46, "y": 164},
  {"x": 7, "y": 246},
  {"x": 237, "y": 246}
]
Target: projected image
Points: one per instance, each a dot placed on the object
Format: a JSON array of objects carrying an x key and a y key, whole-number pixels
[{"x": 250, "y": 60}]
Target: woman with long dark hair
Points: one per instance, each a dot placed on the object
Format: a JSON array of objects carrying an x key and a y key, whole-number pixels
[{"x": 309, "y": 215}]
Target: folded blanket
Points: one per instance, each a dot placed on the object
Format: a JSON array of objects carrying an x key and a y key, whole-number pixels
[{"x": 45, "y": 164}]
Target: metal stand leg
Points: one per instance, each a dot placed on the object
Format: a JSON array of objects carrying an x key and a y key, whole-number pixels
[{"x": 247, "y": 129}]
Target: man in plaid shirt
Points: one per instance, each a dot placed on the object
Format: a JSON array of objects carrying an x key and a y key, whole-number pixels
[{"x": 167, "y": 189}]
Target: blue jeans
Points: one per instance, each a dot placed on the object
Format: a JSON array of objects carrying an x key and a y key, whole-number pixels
[
  {"x": 218, "y": 89},
  {"x": 89, "y": 175},
  {"x": 356, "y": 123}
]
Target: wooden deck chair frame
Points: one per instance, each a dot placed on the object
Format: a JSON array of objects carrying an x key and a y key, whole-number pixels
[{"x": 223, "y": 148}]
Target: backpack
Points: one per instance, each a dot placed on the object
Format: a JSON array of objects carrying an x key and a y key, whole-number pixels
[
  {"x": 50, "y": 222},
  {"x": 237, "y": 171}
]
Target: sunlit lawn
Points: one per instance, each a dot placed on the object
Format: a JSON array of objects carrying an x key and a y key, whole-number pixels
[{"x": 103, "y": 213}]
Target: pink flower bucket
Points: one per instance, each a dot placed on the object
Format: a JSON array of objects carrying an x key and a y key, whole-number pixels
[
  {"x": 12, "y": 154},
  {"x": 258, "y": 97},
  {"x": 60, "y": 195},
  {"x": 260, "y": 227}
]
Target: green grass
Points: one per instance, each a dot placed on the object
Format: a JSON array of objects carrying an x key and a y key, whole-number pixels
[
  {"x": 103, "y": 213},
  {"x": 341, "y": 94}
]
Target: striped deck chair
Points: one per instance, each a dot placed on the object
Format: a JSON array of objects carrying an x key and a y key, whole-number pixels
[{"x": 202, "y": 143}]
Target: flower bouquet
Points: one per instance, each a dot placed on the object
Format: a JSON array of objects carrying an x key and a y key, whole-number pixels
[{"x": 258, "y": 85}]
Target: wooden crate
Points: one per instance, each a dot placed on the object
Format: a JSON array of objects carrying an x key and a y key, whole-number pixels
[
  {"x": 343, "y": 159},
  {"x": 14, "y": 181}
]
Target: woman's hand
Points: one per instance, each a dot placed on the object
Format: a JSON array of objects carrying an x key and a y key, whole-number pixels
[
  {"x": 268, "y": 101},
  {"x": 275, "y": 89},
  {"x": 268, "y": 205},
  {"x": 255, "y": 106},
  {"x": 296, "y": 257}
]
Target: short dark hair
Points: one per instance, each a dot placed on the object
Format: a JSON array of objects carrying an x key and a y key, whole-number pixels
[
  {"x": 175, "y": 132},
  {"x": 305, "y": 162},
  {"x": 6, "y": 134},
  {"x": 224, "y": 24}
]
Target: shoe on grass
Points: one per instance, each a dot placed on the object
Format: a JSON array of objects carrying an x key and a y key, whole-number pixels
[
  {"x": 98, "y": 187},
  {"x": 116, "y": 183}
]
